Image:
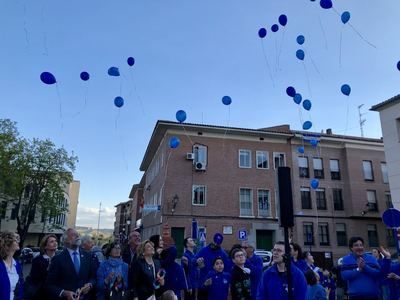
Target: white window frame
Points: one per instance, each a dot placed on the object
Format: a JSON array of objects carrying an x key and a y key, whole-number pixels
[
  {"x": 243, "y": 151},
  {"x": 385, "y": 174},
  {"x": 262, "y": 154},
  {"x": 251, "y": 202},
  {"x": 277, "y": 154},
  {"x": 368, "y": 170},
  {"x": 332, "y": 165},
  {"x": 268, "y": 211},
  {"x": 371, "y": 198},
  {"x": 195, "y": 186}
]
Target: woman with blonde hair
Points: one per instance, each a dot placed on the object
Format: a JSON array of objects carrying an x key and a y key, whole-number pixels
[
  {"x": 11, "y": 278},
  {"x": 148, "y": 277},
  {"x": 34, "y": 285}
]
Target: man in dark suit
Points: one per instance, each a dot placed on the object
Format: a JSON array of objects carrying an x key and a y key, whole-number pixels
[
  {"x": 129, "y": 256},
  {"x": 72, "y": 272}
]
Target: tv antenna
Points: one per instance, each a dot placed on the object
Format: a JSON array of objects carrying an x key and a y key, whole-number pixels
[{"x": 361, "y": 119}]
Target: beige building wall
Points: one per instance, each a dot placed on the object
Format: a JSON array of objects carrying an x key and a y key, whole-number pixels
[{"x": 73, "y": 193}]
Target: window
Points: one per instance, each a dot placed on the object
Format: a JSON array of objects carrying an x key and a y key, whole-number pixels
[
  {"x": 262, "y": 160},
  {"x": 372, "y": 235},
  {"x": 199, "y": 195},
  {"x": 305, "y": 198},
  {"x": 341, "y": 234},
  {"x": 334, "y": 167},
  {"x": 308, "y": 233},
  {"x": 323, "y": 233},
  {"x": 246, "y": 202},
  {"x": 385, "y": 176},
  {"x": 14, "y": 212},
  {"x": 200, "y": 157},
  {"x": 263, "y": 203},
  {"x": 244, "y": 159},
  {"x": 372, "y": 204},
  {"x": 367, "y": 169},
  {"x": 3, "y": 210},
  {"x": 337, "y": 199},
  {"x": 318, "y": 168},
  {"x": 388, "y": 198},
  {"x": 390, "y": 238},
  {"x": 303, "y": 167},
  {"x": 321, "y": 198},
  {"x": 279, "y": 160}
]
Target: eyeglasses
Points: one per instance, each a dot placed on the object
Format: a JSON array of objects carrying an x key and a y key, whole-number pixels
[
  {"x": 239, "y": 255},
  {"x": 277, "y": 250}
]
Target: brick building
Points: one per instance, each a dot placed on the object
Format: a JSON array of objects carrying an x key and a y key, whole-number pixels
[{"x": 226, "y": 179}]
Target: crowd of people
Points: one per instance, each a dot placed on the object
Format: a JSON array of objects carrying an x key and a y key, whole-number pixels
[{"x": 147, "y": 270}]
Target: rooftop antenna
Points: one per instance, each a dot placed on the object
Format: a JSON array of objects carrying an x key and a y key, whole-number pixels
[{"x": 361, "y": 120}]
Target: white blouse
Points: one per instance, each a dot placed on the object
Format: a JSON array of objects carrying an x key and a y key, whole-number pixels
[{"x": 12, "y": 276}]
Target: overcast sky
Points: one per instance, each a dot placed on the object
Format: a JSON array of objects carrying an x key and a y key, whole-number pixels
[{"x": 189, "y": 54}]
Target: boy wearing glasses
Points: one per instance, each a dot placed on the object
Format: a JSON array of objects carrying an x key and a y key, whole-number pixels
[
  {"x": 274, "y": 283},
  {"x": 240, "y": 276}
]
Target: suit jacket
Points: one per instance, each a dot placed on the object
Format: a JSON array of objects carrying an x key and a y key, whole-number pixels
[
  {"x": 5, "y": 282},
  {"x": 127, "y": 258},
  {"x": 62, "y": 275}
]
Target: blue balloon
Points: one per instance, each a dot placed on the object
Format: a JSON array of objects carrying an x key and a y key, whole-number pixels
[
  {"x": 307, "y": 104},
  {"x": 398, "y": 65},
  {"x": 346, "y": 89},
  {"x": 300, "y": 149},
  {"x": 297, "y": 98},
  {"x": 274, "y": 28},
  {"x": 226, "y": 100},
  {"x": 282, "y": 20},
  {"x": 300, "y": 39},
  {"x": 326, "y": 4},
  {"x": 113, "y": 71},
  {"x": 314, "y": 183},
  {"x": 300, "y": 54},
  {"x": 345, "y": 17},
  {"x": 314, "y": 143},
  {"x": 130, "y": 61},
  {"x": 262, "y": 32},
  {"x": 174, "y": 142},
  {"x": 181, "y": 116},
  {"x": 119, "y": 101},
  {"x": 391, "y": 218},
  {"x": 47, "y": 78},
  {"x": 290, "y": 91},
  {"x": 307, "y": 125},
  {"x": 85, "y": 76}
]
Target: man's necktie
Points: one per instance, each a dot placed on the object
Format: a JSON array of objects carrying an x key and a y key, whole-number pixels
[{"x": 76, "y": 261}]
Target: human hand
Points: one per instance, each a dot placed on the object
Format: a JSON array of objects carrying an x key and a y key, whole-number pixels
[
  {"x": 200, "y": 262},
  {"x": 393, "y": 276},
  {"x": 208, "y": 282},
  {"x": 385, "y": 252},
  {"x": 69, "y": 295},
  {"x": 361, "y": 263},
  {"x": 86, "y": 288},
  {"x": 184, "y": 260}
]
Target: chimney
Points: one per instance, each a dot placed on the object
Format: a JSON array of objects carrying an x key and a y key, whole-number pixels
[{"x": 329, "y": 131}]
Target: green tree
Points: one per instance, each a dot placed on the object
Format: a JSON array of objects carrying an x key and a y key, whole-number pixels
[{"x": 34, "y": 176}]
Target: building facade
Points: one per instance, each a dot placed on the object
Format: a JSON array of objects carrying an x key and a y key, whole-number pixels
[
  {"x": 40, "y": 227},
  {"x": 122, "y": 225},
  {"x": 389, "y": 112},
  {"x": 225, "y": 179}
]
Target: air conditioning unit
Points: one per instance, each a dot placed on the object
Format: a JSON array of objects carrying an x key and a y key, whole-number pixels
[
  {"x": 199, "y": 166},
  {"x": 189, "y": 156}
]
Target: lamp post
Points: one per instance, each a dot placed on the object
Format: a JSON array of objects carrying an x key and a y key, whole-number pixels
[{"x": 174, "y": 202}]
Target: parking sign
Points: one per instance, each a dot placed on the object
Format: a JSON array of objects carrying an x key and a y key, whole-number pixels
[{"x": 242, "y": 234}]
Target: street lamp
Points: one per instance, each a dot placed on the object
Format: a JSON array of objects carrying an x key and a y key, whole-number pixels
[{"x": 174, "y": 202}]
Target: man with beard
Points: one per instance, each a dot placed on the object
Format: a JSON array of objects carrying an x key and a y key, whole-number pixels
[{"x": 72, "y": 273}]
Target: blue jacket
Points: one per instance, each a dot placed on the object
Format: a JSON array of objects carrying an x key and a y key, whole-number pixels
[
  {"x": 209, "y": 255},
  {"x": 301, "y": 265},
  {"x": 5, "y": 282},
  {"x": 191, "y": 270},
  {"x": 106, "y": 267},
  {"x": 394, "y": 285},
  {"x": 365, "y": 282},
  {"x": 273, "y": 286},
  {"x": 316, "y": 292},
  {"x": 255, "y": 264},
  {"x": 219, "y": 288}
]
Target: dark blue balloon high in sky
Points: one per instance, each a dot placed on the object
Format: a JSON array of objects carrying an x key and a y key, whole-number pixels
[
  {"x": 346, "y": 89},
  {"x": 300, "y": 54},
  {"x": 274, "y": 28},
  {"x": 290, "y": 91},
  {"x": 180, "y": 116},
  {"x": 174, "y": 142},
  {"x": 113, "y": 71},
  {"x": 307, "y": 125},
  {"x": 398, "y": 65},
  {"x": 300, "y": 39},
  {"x": 345, "y": 17},
  {"x": 262, "y": 32},
  {"x": 282, "y": 20},
  {"x": 85, "y": 76},
  {"x": 130, "y": 61},
  {"x": 326, "y": 4},
  {"x": 226, "y": 100},
  {"x": 307, "y": 104},
  {"x": 297, "y": 98},
  {"x": 119, "y": 101},
  {"x": 47, "y": 78}
]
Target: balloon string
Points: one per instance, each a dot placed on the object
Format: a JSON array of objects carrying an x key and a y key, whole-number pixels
[
  {"x": 43, "y": 17},
  {"x": 187, "y": 135},
  {"x": 137, "y": 94},
  {"x": 25, "y": 28},
  {"x": 226, "y": 129},
  {"x": 323, "y": 32},
  {"x": 308, "y": 79},
  {"x": 359, "y": 34},
  {"x": 280, "y": 46},
  {"x": 340, "y": 49},
  {"x": 313, "y": 62},
  {"x": 267, "y": 63},
  {"x": 60, "y": 106},
  {"x": 347, "y": 116},
  {"x": 121, "y": 143},
  {"x": 276, "y": 55},
  {"x": 116, "y": 119}
]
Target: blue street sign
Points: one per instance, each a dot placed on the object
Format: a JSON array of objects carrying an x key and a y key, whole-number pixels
[
  {"x": 391, "y": 218},
  {"x": 242, "y": 235},
  {"x": 202, "y": 237}
]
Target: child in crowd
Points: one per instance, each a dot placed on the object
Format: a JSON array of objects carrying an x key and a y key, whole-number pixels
[{"x": 217, "y": 281}]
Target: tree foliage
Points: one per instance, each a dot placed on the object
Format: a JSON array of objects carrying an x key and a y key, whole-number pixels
[{"x": 34, "y": 175}]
